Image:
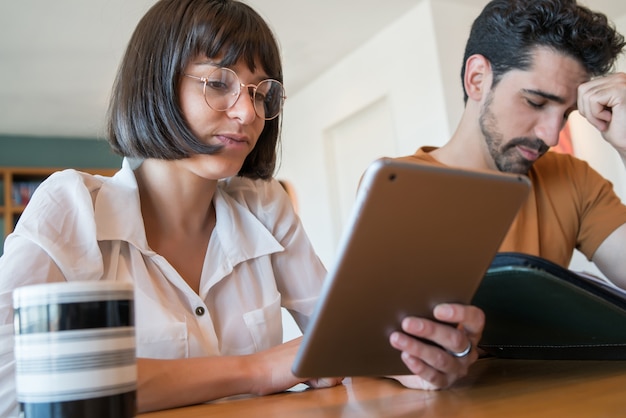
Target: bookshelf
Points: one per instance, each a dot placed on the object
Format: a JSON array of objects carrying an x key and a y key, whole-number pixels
[{"x": 17, "y": 185}]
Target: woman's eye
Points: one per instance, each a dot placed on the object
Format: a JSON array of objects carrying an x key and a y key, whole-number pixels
[{"x": 217, "y": 85}]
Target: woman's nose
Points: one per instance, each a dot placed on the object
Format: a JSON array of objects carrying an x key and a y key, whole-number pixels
[{"x": 243, "y": 109}]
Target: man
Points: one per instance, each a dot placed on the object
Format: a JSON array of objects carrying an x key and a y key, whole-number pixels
[{"x": 528, "y": 64}]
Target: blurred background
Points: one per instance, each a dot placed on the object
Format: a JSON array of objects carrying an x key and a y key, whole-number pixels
[{"x": 364, "y": 79}]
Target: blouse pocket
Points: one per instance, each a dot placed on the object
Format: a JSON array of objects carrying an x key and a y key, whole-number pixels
[
  {"x": 166, "y": 341},
  {"x": 265, "y": 325}
]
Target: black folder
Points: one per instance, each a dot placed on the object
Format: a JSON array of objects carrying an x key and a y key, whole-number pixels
[{"x": 536, "y": 309}]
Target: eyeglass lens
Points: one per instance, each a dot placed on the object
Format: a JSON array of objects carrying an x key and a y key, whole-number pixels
[{"x": 222, "y": 89}]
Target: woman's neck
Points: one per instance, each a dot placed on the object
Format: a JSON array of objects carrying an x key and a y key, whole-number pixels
[{"x": 174, "y": 198}]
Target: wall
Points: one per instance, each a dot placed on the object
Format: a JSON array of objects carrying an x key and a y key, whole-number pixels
[
  {"x": 410, "y": 74},
  {"x": 390, "y": 72}
]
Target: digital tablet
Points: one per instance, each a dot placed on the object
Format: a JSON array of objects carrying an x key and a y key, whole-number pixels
[{"x": 418, "y": 235}]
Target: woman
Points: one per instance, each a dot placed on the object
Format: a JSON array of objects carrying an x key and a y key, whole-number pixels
[{"x": 196, "y": 221}]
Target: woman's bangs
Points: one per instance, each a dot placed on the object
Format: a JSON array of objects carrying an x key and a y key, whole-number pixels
[{"x": 244, "y": 39}]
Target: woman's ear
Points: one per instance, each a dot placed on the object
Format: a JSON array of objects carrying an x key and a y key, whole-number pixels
[{"x": 477, "y": 78}]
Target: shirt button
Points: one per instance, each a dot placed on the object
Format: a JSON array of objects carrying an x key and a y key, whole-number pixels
[{"x": 199, "y": 311}]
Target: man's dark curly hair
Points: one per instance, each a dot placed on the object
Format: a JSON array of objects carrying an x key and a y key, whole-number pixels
[{"x": 507, "y": 32}]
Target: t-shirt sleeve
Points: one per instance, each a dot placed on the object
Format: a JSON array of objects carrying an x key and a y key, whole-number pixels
[{"x": 602, "y": 211}]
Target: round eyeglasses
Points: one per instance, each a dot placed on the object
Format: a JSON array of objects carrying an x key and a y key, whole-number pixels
[{"x": 222, "y": 89}]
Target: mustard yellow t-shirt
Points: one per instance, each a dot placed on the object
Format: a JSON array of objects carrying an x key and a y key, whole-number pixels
[{"x": 570, "y": 206}]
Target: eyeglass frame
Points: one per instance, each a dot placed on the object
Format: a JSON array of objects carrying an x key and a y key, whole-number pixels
[{"x": 242, "y": 86}]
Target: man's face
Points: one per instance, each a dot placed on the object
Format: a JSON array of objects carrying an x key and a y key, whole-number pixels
[{"x": 521, "y": 116}]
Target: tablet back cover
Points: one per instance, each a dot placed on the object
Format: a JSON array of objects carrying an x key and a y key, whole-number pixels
[{"x": 418, "y": 235}]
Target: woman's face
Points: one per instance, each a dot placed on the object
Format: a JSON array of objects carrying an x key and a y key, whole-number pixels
[{"x": 236, "y": 129}]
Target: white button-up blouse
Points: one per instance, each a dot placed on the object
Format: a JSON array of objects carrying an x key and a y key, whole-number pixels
[{"x": 84, "y": 227}]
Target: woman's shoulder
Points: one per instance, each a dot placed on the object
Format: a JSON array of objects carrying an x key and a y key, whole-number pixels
[
  {"x": 68, "y": 176},
  {"x": 69, "y": 182},
  {"x": 64, "y": 193}
]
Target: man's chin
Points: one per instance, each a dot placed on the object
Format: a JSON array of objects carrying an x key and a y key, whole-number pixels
[{"x": 516, "y": 168}]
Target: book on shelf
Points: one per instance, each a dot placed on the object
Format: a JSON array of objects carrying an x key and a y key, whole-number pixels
[{"x": 22, "y": 191}]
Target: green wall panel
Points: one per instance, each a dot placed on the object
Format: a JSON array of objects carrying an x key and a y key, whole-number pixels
[{"x": 18, "y": 151}]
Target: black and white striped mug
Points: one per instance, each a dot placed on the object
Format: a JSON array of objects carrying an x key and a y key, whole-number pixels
[{"x": 75, "y": 350}]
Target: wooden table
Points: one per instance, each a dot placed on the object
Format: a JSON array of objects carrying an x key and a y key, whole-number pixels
[{"x": 494, "y": 388}]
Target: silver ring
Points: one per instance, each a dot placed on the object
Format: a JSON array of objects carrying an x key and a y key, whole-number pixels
[{"x": 462, "y": 353}]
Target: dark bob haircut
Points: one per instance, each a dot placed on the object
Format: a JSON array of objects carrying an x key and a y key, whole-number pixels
[
  {"x": 144, "y": 117},
  {"x": 507, "y": 32}
]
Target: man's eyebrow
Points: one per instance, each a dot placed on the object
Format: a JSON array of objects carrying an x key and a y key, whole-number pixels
[{"x": 547, "y": 96}]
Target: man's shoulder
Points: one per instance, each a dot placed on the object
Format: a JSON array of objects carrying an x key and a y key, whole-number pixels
[
  {"x": 560, "y": 162},
  {"x": 422, "y": 155}
]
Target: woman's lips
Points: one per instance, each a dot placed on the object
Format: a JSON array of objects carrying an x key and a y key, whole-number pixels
[{"x": 232, "y": 139}]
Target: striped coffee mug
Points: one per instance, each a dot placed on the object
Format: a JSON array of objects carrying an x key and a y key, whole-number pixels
[{"x": 75, "y": 350}]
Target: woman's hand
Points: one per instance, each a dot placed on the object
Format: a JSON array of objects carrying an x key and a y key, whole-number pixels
[
  {"x": 273, "y": 370},
  {"x": 203, "y": 379},
  {"x": 439, "y": 366}
]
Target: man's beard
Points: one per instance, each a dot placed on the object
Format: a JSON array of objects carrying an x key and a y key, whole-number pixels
[{"x": 505, "y": 156}]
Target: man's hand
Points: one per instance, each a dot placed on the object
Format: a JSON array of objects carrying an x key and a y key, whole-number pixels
[
  {"x": 438, "y": 367},
  {"x": 602, "y": 101}
]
